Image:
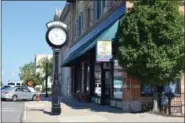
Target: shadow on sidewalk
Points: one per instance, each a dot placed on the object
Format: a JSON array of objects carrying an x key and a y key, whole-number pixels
[
  {"x": 89, "y": 105},
  {"x": 42, "y": 110},
  {"x": 74, "y": 104}
]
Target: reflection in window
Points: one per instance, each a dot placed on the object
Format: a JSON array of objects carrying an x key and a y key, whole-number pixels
[
  {"x": 146, "y": 89},
  {"x": 173, "y": 87}
]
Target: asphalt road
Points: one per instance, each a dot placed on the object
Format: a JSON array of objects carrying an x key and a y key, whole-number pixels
[{"x": 12, "y": 111}]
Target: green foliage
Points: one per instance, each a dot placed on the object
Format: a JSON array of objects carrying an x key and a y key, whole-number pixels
[
  {"x": 151, "y": 37},
  {"x": 37, "y": 79},
  {"x": 28, "y": 71},
  {"x": 46, "y": 65}
]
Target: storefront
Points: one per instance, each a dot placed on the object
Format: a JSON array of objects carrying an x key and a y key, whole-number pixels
[{"x": 100, "y": 82}]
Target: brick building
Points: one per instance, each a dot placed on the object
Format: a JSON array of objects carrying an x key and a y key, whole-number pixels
[{"x": 86, "y": 79}]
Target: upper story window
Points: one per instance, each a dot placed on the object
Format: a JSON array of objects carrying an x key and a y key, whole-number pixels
[
  {"x": 88, "y": 17},
  {"x": 99, "y": 6},
  {"x": 79, "y": 25}
]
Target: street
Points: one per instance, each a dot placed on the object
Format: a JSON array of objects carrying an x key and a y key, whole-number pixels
[{"x": 12, "y": 111}]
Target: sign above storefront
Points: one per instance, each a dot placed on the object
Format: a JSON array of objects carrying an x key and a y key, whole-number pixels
[{"x": 103, "y": 51}]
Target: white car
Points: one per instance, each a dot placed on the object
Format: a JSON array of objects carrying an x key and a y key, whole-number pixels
[
  {"x": 17, "y": 93},
  {"x": 98, "y": 89},
  {"x": 13, "y": 84}
]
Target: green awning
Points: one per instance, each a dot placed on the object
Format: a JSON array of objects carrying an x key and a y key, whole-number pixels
[
  {"x": 108, "y": 34},
  {"x": 106, "y": 30}
]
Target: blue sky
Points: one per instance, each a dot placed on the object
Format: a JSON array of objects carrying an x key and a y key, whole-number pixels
[{"x": 23, "y": 33}]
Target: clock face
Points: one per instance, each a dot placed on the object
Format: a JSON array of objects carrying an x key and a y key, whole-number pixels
[{"x": 57, "y": 36}]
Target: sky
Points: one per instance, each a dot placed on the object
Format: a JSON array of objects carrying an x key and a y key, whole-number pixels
[{"x": 23, "y": 33}]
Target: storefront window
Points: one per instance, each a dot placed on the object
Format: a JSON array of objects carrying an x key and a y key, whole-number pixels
[
  {"x": 117, "y": 81},
  {"x": 173, "y": 87},
  {"x": 117, "y": 87},
  {"x": 146, "y": 90},
  {"x": 97, "y": 80}
]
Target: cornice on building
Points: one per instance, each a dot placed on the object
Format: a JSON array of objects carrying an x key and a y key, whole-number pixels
[{"x": 65, "y": 11}]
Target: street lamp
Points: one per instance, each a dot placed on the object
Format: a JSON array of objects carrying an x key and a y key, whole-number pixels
[
  {"x": 56, "y": 37},
  {"x": 46, "y": 77}
]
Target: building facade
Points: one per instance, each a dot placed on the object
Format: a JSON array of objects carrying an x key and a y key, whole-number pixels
[
  {"x": 38, "y": 57},
  {"x": 64, "y": 72},
  {"x": 104, "y": 83}
]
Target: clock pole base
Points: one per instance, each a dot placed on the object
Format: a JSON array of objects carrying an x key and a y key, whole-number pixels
[{"x": 56, "y": 110}]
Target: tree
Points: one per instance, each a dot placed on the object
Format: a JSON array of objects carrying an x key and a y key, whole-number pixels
[
  {"x": 151, "y": 37},
  {"x": 27, "y": 73},
  {"x": 37, "y": 79},
  {"x": 43, "y": 65}
]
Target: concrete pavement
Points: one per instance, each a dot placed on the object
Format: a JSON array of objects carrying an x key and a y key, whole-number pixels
[
  {"x": 12, "y": 111},
  {"x": 73, "y": 111}
]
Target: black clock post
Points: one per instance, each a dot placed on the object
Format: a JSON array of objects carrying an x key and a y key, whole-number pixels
[
  {"x": 56, "y": 37},
  {"x": 56, "y": 110}
]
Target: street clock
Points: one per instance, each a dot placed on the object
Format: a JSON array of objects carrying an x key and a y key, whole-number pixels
[{"x": 56, "y": 36}]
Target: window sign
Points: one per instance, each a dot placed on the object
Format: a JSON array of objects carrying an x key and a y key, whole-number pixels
[
  {"x": 103, "y": 51},
  {"x": 117, "y": 87}
]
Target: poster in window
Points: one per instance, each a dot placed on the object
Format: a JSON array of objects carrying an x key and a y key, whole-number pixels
[
  {"x": 103, "y": 51},
  {"x": 117, "y": 92}
]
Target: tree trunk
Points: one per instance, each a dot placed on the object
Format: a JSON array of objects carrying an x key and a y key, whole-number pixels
[{"x": 155, "y": 99}]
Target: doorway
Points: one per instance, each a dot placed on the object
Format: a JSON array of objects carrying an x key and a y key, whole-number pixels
[{"x": 107, "y": 81}]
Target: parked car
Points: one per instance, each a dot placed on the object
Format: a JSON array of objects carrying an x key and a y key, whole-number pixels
[
  {"x": 5, "y": 86},
  {"x": 98, "y": 89},
  {"x": 17, "y": 93}
]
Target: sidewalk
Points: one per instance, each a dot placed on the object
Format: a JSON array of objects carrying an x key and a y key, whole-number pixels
[{"x": 73, "y": 111}]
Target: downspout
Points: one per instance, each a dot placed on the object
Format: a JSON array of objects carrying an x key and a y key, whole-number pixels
[
  {"x": 130, "y": 109},
  {"x": 130, "y": 88}
]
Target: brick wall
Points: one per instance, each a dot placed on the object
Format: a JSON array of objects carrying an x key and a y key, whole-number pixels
[{"x": 131, "y": 91}]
